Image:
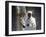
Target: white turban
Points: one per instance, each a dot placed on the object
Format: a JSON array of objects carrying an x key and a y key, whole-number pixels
[{"x": 30, "y": 12}]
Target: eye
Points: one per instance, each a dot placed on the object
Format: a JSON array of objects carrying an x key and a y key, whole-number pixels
[{"x": 27, "y": 24}]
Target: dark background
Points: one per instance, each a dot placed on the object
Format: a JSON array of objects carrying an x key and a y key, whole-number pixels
[
  {"x": 36, "y": 14},
  {"x": 14, "y": 19}
]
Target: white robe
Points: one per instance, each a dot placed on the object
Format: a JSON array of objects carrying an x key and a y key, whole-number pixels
[{"x": 31, "y": 21}]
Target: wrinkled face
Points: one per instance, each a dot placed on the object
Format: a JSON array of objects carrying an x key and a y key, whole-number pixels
[{"x": 29, "y": 15}]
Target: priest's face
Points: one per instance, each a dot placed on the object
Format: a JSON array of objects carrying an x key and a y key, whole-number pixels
[{"x": 29, "y": 15}]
